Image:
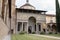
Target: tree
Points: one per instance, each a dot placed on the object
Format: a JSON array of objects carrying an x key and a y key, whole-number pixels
[{"x": 57, "y": 16}]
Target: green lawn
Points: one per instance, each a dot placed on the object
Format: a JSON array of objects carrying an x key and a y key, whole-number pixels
[{"x": 29, "y": 37}]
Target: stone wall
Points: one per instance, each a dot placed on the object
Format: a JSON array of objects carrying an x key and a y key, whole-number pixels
[
  {"x": 3, "y": 29},
  {"x": 25, "y": 17},
  {"x": 13, "y": 16},
  {"x": 5, "y": 24},
  {"x": 50, "y": 18},
  {"x": 0, "y": 6}
]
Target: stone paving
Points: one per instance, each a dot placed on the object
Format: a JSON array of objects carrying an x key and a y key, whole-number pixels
[
  {"x": 8, "y": 37},
  {"x": 3, "y": 29},
  {"x": 46, "y": 36}
]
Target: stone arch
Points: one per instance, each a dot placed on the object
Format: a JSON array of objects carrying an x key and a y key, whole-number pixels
[
  {"x": 32, "y": 17},
  {"x": 54, "y": 28},
  {"x": 32, "y": 24}
]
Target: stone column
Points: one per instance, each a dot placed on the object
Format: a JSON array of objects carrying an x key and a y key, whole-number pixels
[
  {"x": 27, "y": 27},
  {"x": 13, "y": 16},
  {"x": 16, "y": 27},
  {"x": 41, "y": 27},
  {"x": 36, "y": 28},
  {"x": 22, "y": 26}
]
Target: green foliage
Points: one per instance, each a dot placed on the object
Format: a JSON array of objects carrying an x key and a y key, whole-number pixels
[
  {"x": 42, "y": 32},
  {"x": 58, "y": 15},
  {"x": 33, "y": 32},
  {"x": 50, "y": 32},
  {"x": 22, "y": 32}
]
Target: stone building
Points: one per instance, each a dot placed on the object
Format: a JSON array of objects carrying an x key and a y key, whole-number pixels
[
  {"x": 51, "y": 23},
  {"x": 26, "y": 18},
  {"x": 3, "y": 27},
  {"x": 30, "y": 20},
  {"x": 5, "y": 21}
]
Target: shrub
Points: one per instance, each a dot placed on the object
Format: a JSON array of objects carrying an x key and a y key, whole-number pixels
[
  {"x": 22, "y": 32},
  {"x": 42, "y": 32},
  {"x": 50, "y": 32},
  {"x": 33, "y": 32},
  {"x": 56, "y": 33}
]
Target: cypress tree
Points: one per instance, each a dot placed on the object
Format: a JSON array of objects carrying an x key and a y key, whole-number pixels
[{"x": 57, "y": 16}]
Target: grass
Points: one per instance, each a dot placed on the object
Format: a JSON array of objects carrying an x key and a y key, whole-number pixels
[{"x": 29, "y": 37}]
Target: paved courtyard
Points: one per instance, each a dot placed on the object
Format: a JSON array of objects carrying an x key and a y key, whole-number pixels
[
  {"x": 8, "y": 37},
  {"x": 46, "y": 36}
]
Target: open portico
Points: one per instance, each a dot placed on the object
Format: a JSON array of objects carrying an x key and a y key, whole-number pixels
[
  {"x": 30, "y": 25},
  {"x": 30, "y": 20}
]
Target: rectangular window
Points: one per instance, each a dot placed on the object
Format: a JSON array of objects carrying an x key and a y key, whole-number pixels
[
  {"x": 35, "y": 27},
  {"x": 39, "y": 27},
  {"x": 18, "y": 26}
]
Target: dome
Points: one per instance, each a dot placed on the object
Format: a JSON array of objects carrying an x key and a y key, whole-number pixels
[{"x": 27, "y": 6}]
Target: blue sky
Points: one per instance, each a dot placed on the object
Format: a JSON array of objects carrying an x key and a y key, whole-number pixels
[{"x": 47, "y": 5}]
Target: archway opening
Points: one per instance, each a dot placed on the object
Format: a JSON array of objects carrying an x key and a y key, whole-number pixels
[
  {"x": 54, "y": 28},
  {"x": 32, "y": 25}
]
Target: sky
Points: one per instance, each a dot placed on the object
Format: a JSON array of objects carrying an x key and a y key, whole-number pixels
[{"x": 47, "y": 5}]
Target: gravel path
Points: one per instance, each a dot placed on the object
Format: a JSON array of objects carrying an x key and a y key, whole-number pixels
[
  {"x": 8, "y": 37},
  {"x": 46, "y": 36}
]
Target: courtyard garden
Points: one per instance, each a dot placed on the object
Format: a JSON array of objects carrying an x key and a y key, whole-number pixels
[{"x": 29, "y": 37}]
